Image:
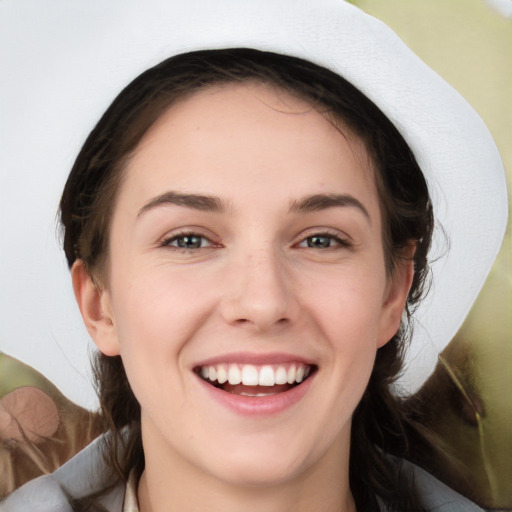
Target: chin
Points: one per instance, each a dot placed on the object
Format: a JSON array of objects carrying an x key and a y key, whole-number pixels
[
  {"x": 259, "y": 467},
  {"x": 258, "y": 475}
]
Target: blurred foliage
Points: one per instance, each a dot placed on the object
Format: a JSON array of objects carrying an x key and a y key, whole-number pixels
[
  {"x": 467, "y": 400},
  {"x": 22, "y": 460},
  {"x": 16, "y": 374}
]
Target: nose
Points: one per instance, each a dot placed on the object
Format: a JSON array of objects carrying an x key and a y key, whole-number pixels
[{"x": 259, "y": 292}]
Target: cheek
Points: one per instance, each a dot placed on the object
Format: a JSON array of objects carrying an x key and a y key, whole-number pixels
[
  {"x": 159, "y": 304},
  {"x": 348, "y": 303},
  {"x": 348, "y": 312},
  {"x": 158, "y": 311},
  {"x": 156, "y": 315}
]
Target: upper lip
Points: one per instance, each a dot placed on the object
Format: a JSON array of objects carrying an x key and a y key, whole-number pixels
[{"x": 257, "y": 359}]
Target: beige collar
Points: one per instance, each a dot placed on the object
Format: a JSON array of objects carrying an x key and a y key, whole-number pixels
[{"x": 130, "y": 496}]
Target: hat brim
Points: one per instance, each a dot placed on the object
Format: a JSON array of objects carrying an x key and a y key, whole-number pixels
[{"x": 63, "y": 63}]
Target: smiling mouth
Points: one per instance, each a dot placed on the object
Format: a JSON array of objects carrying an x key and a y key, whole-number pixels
[{"x": 253, "y": 380}]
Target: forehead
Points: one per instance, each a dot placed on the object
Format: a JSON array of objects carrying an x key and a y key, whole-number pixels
[{"x": 250, "y": 126}]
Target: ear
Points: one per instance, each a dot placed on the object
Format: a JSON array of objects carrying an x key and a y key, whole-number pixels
[
  {"x": 95, "y": 306},
  {"x": 399, "y": 284}
]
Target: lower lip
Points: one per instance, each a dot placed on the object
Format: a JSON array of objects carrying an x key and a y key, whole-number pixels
[{"x": 262, "y": 406}]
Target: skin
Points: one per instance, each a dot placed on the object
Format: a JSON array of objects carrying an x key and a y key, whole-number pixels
[{"x": 254, "y": 287}]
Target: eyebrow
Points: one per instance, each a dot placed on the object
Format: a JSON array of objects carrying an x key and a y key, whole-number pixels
[
  {"x": 194, "y": 201},
  {"x": 319, "y": 202},
  {"x": 316, "y": 202}
]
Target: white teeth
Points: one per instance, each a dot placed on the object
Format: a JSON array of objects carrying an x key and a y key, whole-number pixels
[
  {"x": 234, "y": 375},
  {"x": 281, "y": 375},
  {"x": 267, "y": 377},
  {"x": 291, "y": 375},
  {"x": 222, "y": 374},
  {"x": 251, "y": 375}
]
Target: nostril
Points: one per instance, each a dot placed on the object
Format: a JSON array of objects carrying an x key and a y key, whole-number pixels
[{"x": 244, "y": 321}]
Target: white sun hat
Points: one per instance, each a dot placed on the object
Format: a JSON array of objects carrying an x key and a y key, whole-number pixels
[{"x": 62, "y": 63}]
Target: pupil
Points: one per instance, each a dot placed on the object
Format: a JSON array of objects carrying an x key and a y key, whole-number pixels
[
  {"x": 189, "y": 242},
  {"x": 319, "y": 241}
]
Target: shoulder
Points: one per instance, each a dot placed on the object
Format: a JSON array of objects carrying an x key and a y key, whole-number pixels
[
  {"x": 435, "y": 496},
  {"x": 83, "y": 475}
]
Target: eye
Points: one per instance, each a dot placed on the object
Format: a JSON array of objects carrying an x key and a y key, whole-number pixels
[
  {"x": 188, "y": 241},
  {"x": 324, "y": 241}
]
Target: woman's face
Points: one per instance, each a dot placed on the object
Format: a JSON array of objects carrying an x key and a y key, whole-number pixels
[{"x": 246, "y": 244}]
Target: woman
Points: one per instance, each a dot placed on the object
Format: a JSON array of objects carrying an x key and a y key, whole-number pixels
[{"x": 249, "y": 334}]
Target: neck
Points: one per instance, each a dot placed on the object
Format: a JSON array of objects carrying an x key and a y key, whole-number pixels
[{"x": 172, "y": 484}]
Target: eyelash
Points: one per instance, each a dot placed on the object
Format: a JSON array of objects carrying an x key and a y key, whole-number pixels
[
  {"x": 167, "y": 242},
  {"x": 338, "y": 240}
]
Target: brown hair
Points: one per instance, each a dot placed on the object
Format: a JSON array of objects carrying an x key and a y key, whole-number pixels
[{"x": 90, "y": 194}]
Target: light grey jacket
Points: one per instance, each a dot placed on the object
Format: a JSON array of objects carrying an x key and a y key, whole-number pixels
[{"x": 85, "y": 474}]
